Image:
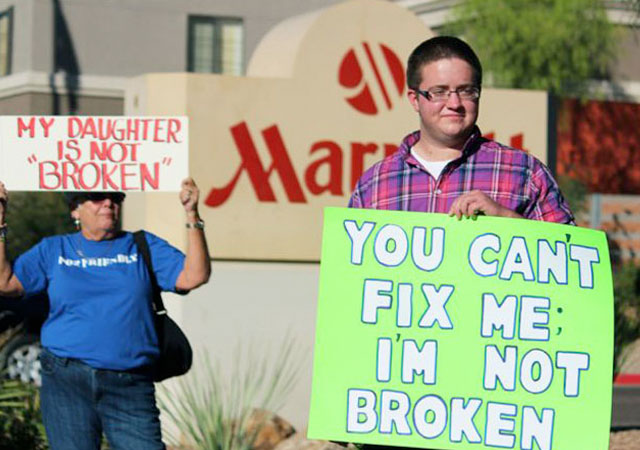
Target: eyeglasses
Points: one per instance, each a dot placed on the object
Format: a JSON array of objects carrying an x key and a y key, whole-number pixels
[
  {"x": 439, "y": 94},
  {"x": 115, "y": 197}
]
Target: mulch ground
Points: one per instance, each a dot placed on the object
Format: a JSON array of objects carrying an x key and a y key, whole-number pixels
[{"x": 625, "y": 440}]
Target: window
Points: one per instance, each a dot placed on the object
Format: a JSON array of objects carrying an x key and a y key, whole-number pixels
[
  {"x": 6, "y": 32},
  {"x": 215, "y": 45}
]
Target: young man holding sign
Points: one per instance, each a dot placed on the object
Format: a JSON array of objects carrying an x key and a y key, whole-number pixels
[{"x": 447, "y": 166}]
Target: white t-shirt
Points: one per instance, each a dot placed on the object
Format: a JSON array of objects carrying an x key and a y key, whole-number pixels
[{"x": 435, "y": 168}]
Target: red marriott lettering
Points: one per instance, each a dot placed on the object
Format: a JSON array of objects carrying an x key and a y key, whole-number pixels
[
  {"x": 260, "y": 176},
  {"x": 281, "y": 165},
  {"x": 257, "y": 174}
]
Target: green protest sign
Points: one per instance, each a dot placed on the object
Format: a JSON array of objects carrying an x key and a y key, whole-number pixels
[{"x": 445, "y": 334}]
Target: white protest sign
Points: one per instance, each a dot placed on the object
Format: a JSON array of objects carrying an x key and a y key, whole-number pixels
[{"x": 90, "y": 153}]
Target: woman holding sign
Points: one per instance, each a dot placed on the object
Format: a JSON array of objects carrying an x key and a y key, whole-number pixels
[{"x": 99, "y": 339}]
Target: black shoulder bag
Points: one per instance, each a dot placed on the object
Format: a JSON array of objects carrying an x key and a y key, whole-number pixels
[{"x": 176, "y": 355}]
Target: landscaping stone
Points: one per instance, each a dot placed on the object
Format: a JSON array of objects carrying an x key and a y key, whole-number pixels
[{"x": 273, "y": 429}]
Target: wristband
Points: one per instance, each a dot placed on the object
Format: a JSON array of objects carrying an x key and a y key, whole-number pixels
[{"x": 198, "y": 224}]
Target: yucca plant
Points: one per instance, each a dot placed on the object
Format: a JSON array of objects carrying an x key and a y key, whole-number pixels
[{"x": 212, "y": 411}]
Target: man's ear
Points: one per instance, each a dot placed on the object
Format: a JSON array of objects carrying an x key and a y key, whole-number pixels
[
  {"x": 75, "y": 214},
  {"x": 413, "y": 97}
]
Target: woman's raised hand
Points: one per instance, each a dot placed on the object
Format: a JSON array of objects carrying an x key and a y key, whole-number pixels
[
  {"x": 189, "y": 195},
  {"x": 4, "y": 199}
]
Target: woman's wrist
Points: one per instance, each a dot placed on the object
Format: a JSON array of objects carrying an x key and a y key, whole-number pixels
[
  {"x": 194, "y": 221},
  {"x": 193, "y": 216}
]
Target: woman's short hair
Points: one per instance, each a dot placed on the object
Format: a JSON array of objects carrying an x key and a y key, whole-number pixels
[{"x": 437, "y": 48}]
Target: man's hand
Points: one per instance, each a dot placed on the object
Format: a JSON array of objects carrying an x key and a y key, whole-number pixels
[{"x": 472, "y": 203}]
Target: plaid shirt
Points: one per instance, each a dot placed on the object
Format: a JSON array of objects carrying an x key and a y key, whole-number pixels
[{"x": 512, "y": 178}]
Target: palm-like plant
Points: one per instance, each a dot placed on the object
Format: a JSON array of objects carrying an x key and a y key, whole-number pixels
[
  {"x": 20, "y": 425},
  {"x": 13, "y": 395}
]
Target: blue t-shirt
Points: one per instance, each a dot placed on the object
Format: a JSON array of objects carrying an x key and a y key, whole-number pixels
[{"x": 100, "y": 296}]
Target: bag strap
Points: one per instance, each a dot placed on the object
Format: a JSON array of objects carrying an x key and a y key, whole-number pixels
[{"x": 143, "y": 249}]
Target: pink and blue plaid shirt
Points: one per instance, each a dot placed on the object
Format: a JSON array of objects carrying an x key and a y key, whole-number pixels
[{"x": 512, "y": 178}]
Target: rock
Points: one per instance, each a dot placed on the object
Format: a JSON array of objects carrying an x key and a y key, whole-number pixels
[
  {"x": 299, "y": 442},
  {"x": 273, "y": 429}
]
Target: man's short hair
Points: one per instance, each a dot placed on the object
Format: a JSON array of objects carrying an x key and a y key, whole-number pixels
[{"x": 437, "y": 48}]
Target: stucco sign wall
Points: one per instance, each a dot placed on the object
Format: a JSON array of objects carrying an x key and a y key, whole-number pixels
[{"x": 324, "y": 98}]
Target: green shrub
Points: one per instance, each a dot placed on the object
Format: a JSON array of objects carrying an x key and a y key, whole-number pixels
[
  {"x": 20, "y": 421},
  {"x": 575, "y": 192},
  {"x": 626, "y": 288}
]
